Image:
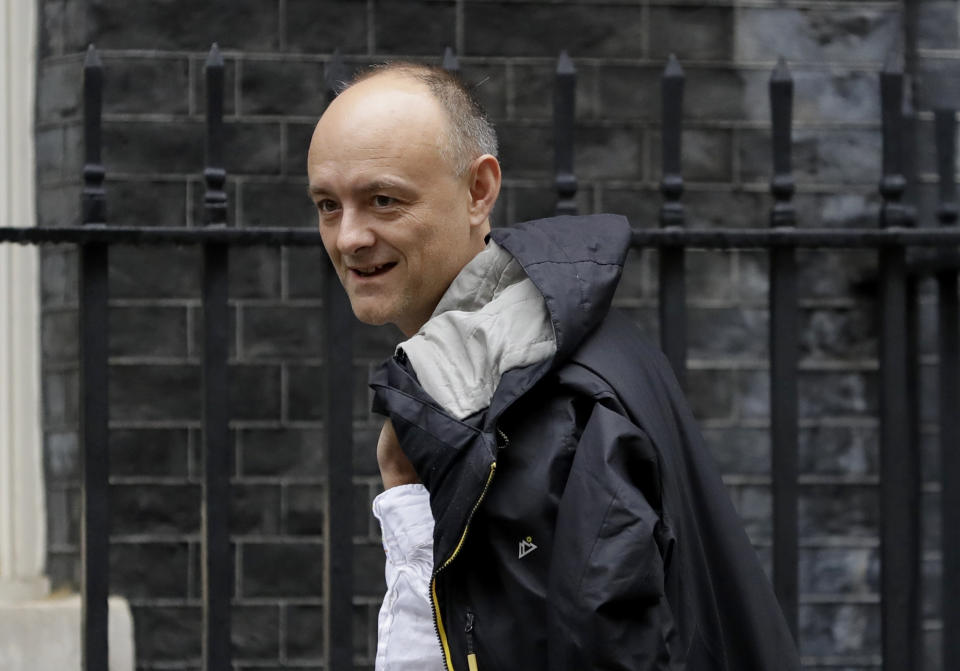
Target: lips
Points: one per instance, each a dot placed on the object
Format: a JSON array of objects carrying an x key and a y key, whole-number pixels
[{"x": 372, "y": 271}]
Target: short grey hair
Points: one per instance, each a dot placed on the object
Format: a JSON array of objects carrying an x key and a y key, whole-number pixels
[{"x": 470, "y": 134}]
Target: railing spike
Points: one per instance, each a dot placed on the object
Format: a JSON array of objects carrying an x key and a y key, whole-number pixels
[
  {"x": 673, "y": 67},
  {"x": 565, "y": 64},
  {"x": 450, "y": 61},
  {"x": 93, "y": 197},
  {"x": 215, "y": 198},
  {"x": 564, "y": 112},
  {"x": 214, "y": 58}
]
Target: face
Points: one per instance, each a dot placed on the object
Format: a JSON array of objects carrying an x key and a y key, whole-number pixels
[{"x": 397, "y": 222}]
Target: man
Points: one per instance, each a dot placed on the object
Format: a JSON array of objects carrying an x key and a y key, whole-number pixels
[{"x": 548, "y": 501}]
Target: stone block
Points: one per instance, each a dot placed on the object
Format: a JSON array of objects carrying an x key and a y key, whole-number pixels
[
  {"x": 304, "y": 634},
  {"x": 63, "y": 509},
  {"x": 739, "y": 450},
  {"x": 148, "y": 147},
  {"x": 295, "y": 156},
  {"x": 754, "y": 504},
  {"x": 288, "y": 452},
  {"x": 252, "y": 148},
  {"x": 694, "y": 32},
  {"x": 149, "y": 452},
  {"x": 839, "y": 629},
  {"x": 526, "y": 149},
  {"x": 646, "y": 321},
  {"x": 488, "y": 81},
  {"x": 839, "y": 571},
  {"x": 281, "y": 332},
  {"x": 641, "y": 206},
  {"x": 637, "y": 282},
  {"x": 709, "y": 275},
  {"x": 134, "y": 569},
  {"x": 146, "y": 203},
  {"x": 306, "y": 271},
  {"x": 59, "y": 335},
  {"x": 707, "y": 155},
  {"x": 542, "y": 29},
  {"x": 823, "y": 156},
  {"x": 254, "y": 392},
  {"x": 255, "y": 272},
  {"x": 836, "y": 95},
  {"x": 61, "y": 452},
  {"x": 255, "y": 509},
  {"x": 341, "y": 25},
  {"x": 525, "y": 203},
  {"x": 64, "y": 569},
  {"x": 727, "y": 333},
  {"x": 60, "y": 90},
  {"x": 61, "y": 401},
  {"x": 368, "y": 578},
  {"x": 141, "y": 24},
  {"x": 374, "y": 343},
  {"x": 284, "y": 87},
  {"x": 289, "y": 569},
  {"x": 306, "y": 396},
  {"x": 628, "y": 91},
  {"x": 154, "y": 509},
  {"x": 166, "y": 633},
  {"x": 196, "y": 334},
  {"x": 839, "y": 510},
  {"x": 278, "y": 204},
  {"x": 838, "y": 333},
  {"x": 160, "y": 392},
  {"x": 751, "y": 282},
  {"x": 829, "y": 273},
  {"x": 937, "y": 27},
  {"x": 49, "y": 156},
  {"x": 711, "y": 393},
  {"x": 58, "y": 206},
  {"x": 837, "y": 394},
  {"x": 838, "y": 450},
  {"x": 722, "y": 93},
  {"x": 365, "y": 450},
  {"x": 533, "y": 87},
  {"x": 50, "y": 28},
  {"x": 146, "y": 85},
  {"x": 152, "y": 331},
  {"x": 304, "y": 510},
  {"x": 608, "y": 152},
  {"x": 422, "y": 27},
  {"x": 255, "y": 632},
  {"x": 845, "y": 35}
]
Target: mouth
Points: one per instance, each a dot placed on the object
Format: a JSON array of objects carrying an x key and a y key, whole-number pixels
[{"x": 371, "y": 271}]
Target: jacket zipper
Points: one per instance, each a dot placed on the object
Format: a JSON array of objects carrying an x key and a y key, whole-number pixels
[
  {"x": 434, "y": 602},
  {"x": 471, "y": 651}
]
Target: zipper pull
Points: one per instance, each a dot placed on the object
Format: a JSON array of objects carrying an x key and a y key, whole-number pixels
[
  {"x": 502, "y": 440},
  {"x": 471, "y": 652}
]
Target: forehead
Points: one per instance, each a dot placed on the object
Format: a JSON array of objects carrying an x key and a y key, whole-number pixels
[{"x": 385, "y": 123}]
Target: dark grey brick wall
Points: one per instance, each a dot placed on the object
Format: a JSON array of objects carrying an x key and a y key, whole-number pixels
[{"x": 275, "y": 50}]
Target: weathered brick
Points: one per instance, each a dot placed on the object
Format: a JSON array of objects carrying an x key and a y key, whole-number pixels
[
  {"x": 822, "y": 156},
  {"x": 254, "y": 632},
  {"x": 146, "y": 86},
  {"x": 707, "y": 155},
  {"x": 134, "y": 203},
  {"x": 141, "y": 24},
  {"x": 295, "y": 155},
  {"x": 826, "y": 394},
  {"x": 854, "y": 34},
  {"x": 50, "y": 28},
  {"x": 836, "y": 95},
  {"x": 368, "y": 561},
  {"x": 833, "y": 334},
  {"x": 489, "y": 85},
  {"x": 61, "y": 456},
  {"x": 839, "y": 571},
  {"x": 167, "y": 632},
  {"x": 282, "y": 569},
  {"x": 148, "y": 147},
  {"x": 710, "y": 393},
  {"x": 306, "y": 271},
  {"x": 59, "y": 90},
  {"x": 342, "y": 24},
  {"x": 285, "y": 332},
  {"x": 526, "y": 149},
  {"x": 608, "y": 152},
  {"x": 839, "y": 629},
  {"x": 49, "y": 155},
  {"x": 278, "y": 205},
  {"x": 254, "y": 392},
  {"x": 148, "y": 331},
  {"x": 937, "y": 27},
  {"x": 534, "y": 86},
  {"x": 304, "y": 510},
  {"x": 739, "y": 450},
  {"x": 154, "y": 509},
  {"x": 730, "y": 333},
  {"x": 305, "y": 392},
  {"x": 251, "y": 148},
  {"x": 148, "y": 452},
  {"x": 304, "y": 632},
  {"x": 254, "y": 509},
  {"x": 374, "y": 343},
  {"x": 833, "y": 450},
  {"x": 255, "y": 272},
  {"x": 641, "y": 207},
  {"x": 139, "y": 392},
  {"x": 63, "y": 510},
  {"x": 196, "y": 209},
  {"x": 282, "y": 87},
  {"x": 542, "y": 29},
  {"x": 290, "y": 452},
  {"x": 60, "y": 397},
  {"x": 722, "y": 209},
  {"x": 627, "y": 91},
  {"x": 134, "y": 569},
  {"x": 848, "y": 510},
  {"x": 432, "y": 21},
  {"x": 694, "y": 32},
  {"x": 59, "y": 335},
  {"x": 154, "y": 272}
]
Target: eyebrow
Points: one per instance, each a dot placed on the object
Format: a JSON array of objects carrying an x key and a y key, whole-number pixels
[{"x": 374, "y": 185}]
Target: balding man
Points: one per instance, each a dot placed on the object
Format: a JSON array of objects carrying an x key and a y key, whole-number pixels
[{"x": 548, "y": 502}]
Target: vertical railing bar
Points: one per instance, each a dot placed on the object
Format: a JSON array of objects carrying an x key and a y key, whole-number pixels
[
  {"x": 94, "y": 414},
  {"x": 949, "y": 398},
  {"x": 899, "y": 486},
  {"x": 784, "y": 353},
  {"x": 450, "y": 62},
  {"x": 217, "y": 558},
  {"x": 338, "y": 425},
  {"x": 564, "y": 111},
  {"x": 672, "y": 281}
]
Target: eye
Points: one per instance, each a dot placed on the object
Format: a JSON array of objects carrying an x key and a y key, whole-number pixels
[
  {"x": 327, "y": 206},
  {"x": 383, "y": 201}
]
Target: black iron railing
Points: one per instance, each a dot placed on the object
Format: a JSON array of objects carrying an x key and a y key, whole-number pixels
[{"x": 933, "y": 250}]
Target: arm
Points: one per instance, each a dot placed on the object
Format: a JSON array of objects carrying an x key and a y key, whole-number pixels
[{"x": 395, "y": 468}]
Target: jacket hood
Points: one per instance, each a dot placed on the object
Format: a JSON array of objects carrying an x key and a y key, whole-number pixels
[{"x": 575, "y": 262}]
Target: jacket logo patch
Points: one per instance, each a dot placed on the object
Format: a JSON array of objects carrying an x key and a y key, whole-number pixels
[{"x": 526, "y": 547}]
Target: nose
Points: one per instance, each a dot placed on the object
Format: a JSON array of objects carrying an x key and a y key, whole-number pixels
[{"x": 355, "y": 233}]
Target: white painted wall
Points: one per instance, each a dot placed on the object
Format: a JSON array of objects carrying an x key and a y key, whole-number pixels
[{"x": 22, "y": 517}]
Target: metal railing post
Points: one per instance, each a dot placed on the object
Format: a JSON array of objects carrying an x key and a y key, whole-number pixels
[
  {"x": 672, "y": 284},
  {"x": 217, "y": 559},
  {"x": 338, "y": 425},
  {"x": 784, "y": 352},
  {"x": 94, "y": 409},
  {"x": 564, "y": 104},
  {"x": 949, "y": 401},
  {"x": 899, "y": 470}
]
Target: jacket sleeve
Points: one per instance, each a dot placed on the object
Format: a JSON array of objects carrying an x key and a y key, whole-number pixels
[{"x": 606, "y": 601}]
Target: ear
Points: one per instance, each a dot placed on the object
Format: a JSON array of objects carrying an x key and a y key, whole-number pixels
[{"x": 484, "y": 175}]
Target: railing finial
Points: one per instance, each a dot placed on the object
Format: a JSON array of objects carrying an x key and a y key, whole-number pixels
[
  {"x": 450, "y": 62},
  {"x": 781, "y": 116},
  {"x": 93, "y": 195},
  {"x": 215, "y": 198},
  {"x": 564, "y": 111}
]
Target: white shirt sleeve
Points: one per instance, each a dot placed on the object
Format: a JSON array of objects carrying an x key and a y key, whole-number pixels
[{"x": 406, "y": 638}]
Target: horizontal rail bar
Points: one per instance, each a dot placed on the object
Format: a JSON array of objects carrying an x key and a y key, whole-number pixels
[{"x": 714, "y": 238}]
